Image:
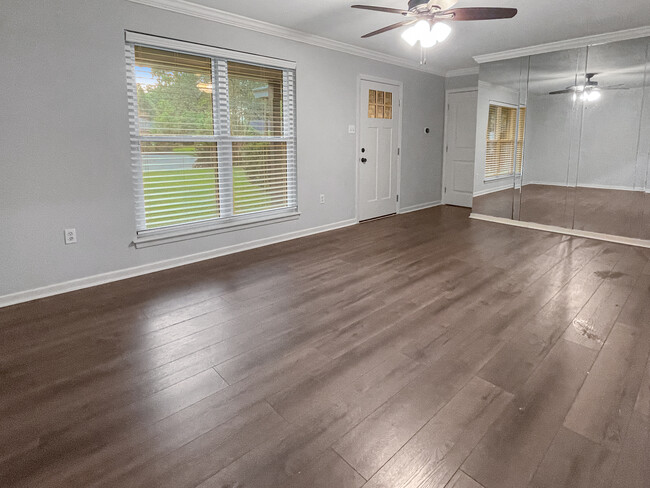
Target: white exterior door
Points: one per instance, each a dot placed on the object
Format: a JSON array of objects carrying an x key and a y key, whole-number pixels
[
  {"x": 458, "y": 182},
  {"x": 378, "y": 157}
]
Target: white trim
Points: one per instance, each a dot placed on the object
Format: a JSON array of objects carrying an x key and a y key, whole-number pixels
[
  {"x": 357, "y": 155},
  {"x": 419, "y": 206},
  {"x": 184, "y": 232},
  {"x": 578, "y": 42},
  {"x": 630, "y": 241},
  {"x": 462, "y": 72},
  {"x": 215, "y": 15},
  {"x": 445, "y": 146},
  {"x": 194, "y": 48},
  {"x": 585, "y": 185},
  {"x": 99, "y": 279},
  {"x": 510, "y": 186},
  {"x": 460, "y": 90},
  {"x": 609, "y": 187}
]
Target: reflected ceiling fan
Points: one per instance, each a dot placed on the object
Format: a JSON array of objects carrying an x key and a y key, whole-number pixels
[
  {"x": 426, "y": 19},
  {"x": 590, "y": 91}
]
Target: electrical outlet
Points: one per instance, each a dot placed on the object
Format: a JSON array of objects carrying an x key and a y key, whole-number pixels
[
  {"x": 322, "y": 198},
  {"x": 70, "y": 236},
  {"x": 352, "y": 129}
]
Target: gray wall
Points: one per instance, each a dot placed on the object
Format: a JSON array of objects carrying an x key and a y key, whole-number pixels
[
  {"x": 65, "y": 139},
  {"x": 610, "y": 137},
  {"x": 459, "y": 82}
]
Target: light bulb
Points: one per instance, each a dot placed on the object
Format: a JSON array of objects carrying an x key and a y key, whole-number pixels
[
  {"x": 422, "y": 28},
  {"x": 593, "y": 95},
  {"x": 410, "y": 35},
  {"x": 575, "y": 97},
  {"x": 440, "y": 31},
  {"x": 428, "y": 40}
]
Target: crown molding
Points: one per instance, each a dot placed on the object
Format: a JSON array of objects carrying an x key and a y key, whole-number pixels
[
  {"x": 227, "y": 18},
  {"x": 578, "y": 42},
  {"x": 462, "y": 72}
]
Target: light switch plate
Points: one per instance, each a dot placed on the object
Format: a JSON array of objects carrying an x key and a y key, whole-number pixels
[{"x": 352, "y": 129}]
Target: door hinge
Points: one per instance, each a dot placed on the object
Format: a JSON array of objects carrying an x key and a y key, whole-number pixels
[
  {"x": 398, "y": 151},
  {"x": 445, "y": 189},
  {"x": 446, "y": 148},
  {"x": 398, "y": 198}
]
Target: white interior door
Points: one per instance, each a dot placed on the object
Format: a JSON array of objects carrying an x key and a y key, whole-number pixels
[
  {"x": 458, "y": 182},
  {"x": 378, "y": 157}
]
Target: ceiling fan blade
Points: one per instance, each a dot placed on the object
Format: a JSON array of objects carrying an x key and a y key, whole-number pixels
[
  {"x": 388, "y": 28},
  {"x": 613, "y": 87},
  {"x": 382, "y": 9},
  {"x": 477, "y": 13},
  {"x": 562, "y": 92}
]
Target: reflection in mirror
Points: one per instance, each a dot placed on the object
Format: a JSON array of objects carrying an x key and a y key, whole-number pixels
[
  {"x": 553, "y": 125},
  {"x": 643, "y": 164},
  {"x": 498, "y": 162},
  {"x": 610, "y": 190},
  {"x": 521, "y": 136}
]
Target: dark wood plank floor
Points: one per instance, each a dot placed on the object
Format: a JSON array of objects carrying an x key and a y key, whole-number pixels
[
  {"x": 425, "y": 349},
  {"x": 616, "y": 212}
]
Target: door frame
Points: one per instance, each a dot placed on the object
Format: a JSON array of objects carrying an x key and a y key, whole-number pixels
[
  {"x": 446, "y": 142},
  {"x": 357, "y": 157}
]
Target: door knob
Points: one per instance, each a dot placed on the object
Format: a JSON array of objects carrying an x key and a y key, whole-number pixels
[{"x": 363, "y": 160}]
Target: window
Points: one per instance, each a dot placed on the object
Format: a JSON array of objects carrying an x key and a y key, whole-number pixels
[
  {"x": 502, "y": 126},
  {"x": 380, "y": 105},
  {"x": 213, "y": 138}
]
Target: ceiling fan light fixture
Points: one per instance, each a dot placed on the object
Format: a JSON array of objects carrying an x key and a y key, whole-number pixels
[
  {"x": 410, "y": 35},
  {"x": 427, "y": 35},
  {"x": 440, "y": 31},
  {"x": 429, "y": 40},
  {"x": 422, "y": 28},
  {"x": 592, "y": 95},
  {"x": 586, "y": 95}
]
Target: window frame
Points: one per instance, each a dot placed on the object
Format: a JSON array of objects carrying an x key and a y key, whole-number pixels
[
  {"x": 221, "y": 137},
  {"x": 515, "y": 143}
]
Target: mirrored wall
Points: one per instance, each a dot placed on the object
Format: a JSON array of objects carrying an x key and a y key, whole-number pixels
[{"x": 563, "y": 139}]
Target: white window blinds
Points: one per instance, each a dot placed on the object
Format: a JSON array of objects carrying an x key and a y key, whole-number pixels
[
  {"x": 212, "y": 138},
  {"x": 500, "y": 141}
]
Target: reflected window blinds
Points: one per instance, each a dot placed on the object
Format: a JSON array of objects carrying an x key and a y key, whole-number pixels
[
  {"x": 502, "y": 129},
  {"x": 211, "y": 138}
]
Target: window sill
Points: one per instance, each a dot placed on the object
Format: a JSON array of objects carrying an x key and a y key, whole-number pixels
[
  {"x": 192, "y": 231},
  {"x": 503, "y": 177}
]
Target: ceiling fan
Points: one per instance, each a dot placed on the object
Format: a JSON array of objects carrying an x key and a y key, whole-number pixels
[
  {"x": 590, "y": 91},
  {"x": 426, "y": 14}
]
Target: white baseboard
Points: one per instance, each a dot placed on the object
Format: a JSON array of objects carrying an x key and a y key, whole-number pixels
[
  {"x": 550, "y": 183},
  {"x": 419, "y": 206},
  {"x": 585, "y": 185},
  {"x": 630, "y": 241},
  {"x": 100, "y": 279}
]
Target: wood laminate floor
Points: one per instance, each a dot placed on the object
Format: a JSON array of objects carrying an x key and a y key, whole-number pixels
[
  {"x": 617, "y": 212},
  {"x": 423, "y": 350}
]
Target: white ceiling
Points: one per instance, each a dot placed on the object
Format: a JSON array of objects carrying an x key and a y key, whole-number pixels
[{"x": 538, "y": 22}]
